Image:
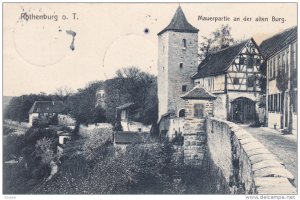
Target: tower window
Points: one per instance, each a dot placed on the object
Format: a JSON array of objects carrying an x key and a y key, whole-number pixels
[
  {"x": 184, "y": 88},
  {"x": 184, "y": 43},
  {"x": 180, "y": 65}
]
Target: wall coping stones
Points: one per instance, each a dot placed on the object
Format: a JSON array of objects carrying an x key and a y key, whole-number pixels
[
  {"x": 261, "y": 157},
  {"x": 265, "y": 164},
  {"x": 270, "y": 176},
  {"x": 248, "y": 140},
  {"x": 251, "y": 146},
  {"x": 274, "y": 172},
  {"x": 258, "y": 151}
]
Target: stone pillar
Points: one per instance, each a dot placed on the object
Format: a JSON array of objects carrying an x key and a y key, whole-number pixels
[
  {"x": 194, "y": 141},
  {"x": 198, "y": 107}
]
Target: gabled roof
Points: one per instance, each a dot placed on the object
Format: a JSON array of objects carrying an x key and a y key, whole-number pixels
[
  {"x": 278, "y": 41},
  {"x": 217, "y": 62},
  {"x": 129, "y": 137},
  {"x": 198, "y": 93},
  {"x": 179, "y": 24},
  {"x": 47, "y": 107}
]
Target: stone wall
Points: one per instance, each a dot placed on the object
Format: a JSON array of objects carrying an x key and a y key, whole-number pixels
[{"x": 247, "y": 166}]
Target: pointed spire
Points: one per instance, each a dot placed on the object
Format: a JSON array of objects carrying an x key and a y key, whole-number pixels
[{"x": 179, "y": 24}]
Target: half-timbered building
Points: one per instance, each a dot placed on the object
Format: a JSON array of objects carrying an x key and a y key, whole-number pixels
[{"x": 233, "y": 74}]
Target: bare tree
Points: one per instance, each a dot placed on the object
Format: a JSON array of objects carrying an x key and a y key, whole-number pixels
[{"x": 63, "y": 93}]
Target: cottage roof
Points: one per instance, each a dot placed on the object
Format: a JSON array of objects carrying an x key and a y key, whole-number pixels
[
  {"x": 63, "y": 133},
  {"x": 129, "y": 137},
  {"x": 278, "y": 41},
  {"x": 126, "y": 105},
  {"x": 198, "y": 93},
  {"x": 217, "y": 62},
  {"x": 47, "y": 107},
  {"x": 179, "y": 24}
]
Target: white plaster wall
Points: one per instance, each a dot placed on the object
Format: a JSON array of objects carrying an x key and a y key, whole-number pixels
[
  {"x": 274, "y": 120},
  {"x": 176, "y": 125},
  {"x": 32, "y": 116},
  {"x": 62, "y": 137},
  {"x": 135, "y": 126},
  {"x": 220, "y": 106}
]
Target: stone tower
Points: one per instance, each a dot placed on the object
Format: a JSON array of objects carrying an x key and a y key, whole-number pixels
[{"x": 177, "y": 61}]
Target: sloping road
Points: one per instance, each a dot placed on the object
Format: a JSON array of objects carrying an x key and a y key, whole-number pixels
[{"x": 284, "y": 147}]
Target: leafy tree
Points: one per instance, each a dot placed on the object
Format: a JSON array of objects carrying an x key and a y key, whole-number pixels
[
  {"x": 19, "y": 107},
  {"x": 132, "y": 85},
  {"x": 219, "y": 39},
  {"x": 81, "y": 105},
  {"x": 44, "y": 150}
]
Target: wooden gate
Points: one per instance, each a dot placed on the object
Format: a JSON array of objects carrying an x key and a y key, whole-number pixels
[{"x": 243, "y": 110}]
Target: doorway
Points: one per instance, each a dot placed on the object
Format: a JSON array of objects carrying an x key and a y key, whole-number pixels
[{"x": 243, "y": 110}]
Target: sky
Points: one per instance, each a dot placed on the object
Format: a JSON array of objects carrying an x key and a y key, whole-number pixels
[{"x": 37, "y": 56}]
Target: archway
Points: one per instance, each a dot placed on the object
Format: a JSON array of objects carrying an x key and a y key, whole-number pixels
[
  {"x": 182, "y": 113},
  {"x": 243, "y": 110}
]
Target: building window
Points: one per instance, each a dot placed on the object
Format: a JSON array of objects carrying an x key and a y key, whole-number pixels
[
  {"x": 283, "y": 63},
  {"x": 236, "y": 80},
  {"x": 279, "y": 64},
  {"x": 182, "y": 113},
  {"x": 209, "y": 82},
  {"x": 184, "y": 43},
  {"x": 180, "y": 65},
  {"x": 198, "y": 110},
  {"x": 257, "y": 61},
  {"x": 250, "y": 62},
  {"x": 184, "y": 88},
  {"x": 251, "y": 81},
  {"x": 275, "y": 102},
  {"x": 270, "y": 69},
  {"x": 242, "y": 60},
  {"x": 270, "y": 101},
  {"x": 279, "y": 102}
]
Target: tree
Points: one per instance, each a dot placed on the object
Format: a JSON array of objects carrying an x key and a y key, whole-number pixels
[
  {"x": 63, "y": 93},
  {"x": 81, "y": 105},
  {"x": 19, "y": 107},
  {"x": 219, "y": 39},
  {"x": 140, "y": 88},
  {"x": 44, "y": 150}
]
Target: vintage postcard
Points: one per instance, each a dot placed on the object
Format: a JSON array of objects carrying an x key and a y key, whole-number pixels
[{"x": 150, "y": 98}]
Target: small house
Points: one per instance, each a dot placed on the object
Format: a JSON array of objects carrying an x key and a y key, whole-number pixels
[
  {"x": 128, "y": 115},
  {"x": 122, "y": 139},
  {"x": 63, "y": 137},
  {"x": 45, "y": 113}
]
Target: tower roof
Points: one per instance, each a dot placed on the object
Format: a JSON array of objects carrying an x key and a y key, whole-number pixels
[{"x": 179, "y": 24}]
